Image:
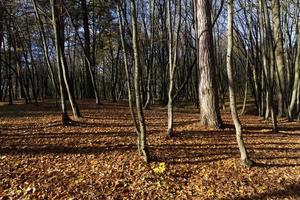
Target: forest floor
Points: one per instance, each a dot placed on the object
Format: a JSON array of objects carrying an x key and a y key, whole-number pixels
[{"x": 96, "y": 157}]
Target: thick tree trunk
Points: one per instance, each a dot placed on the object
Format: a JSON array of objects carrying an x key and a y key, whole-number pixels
[
  {"x": 208, "y": 93},
  {"x": 279, "y": 57},
  {"x": 89, "y": 93}
]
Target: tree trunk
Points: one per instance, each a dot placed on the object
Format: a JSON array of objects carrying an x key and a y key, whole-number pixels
[
  {"x": 65, "y": 117},
  {"x": 245, "y": 161},
  {"x": 279, "y": 57},
  {"x": 130, "y": 100},
  {"x": 296, "y": 78},
  {"x": 142, "y": 139},
  {"x": 208, "y": 93},
  {"x": 172, "y": 60},
  {"x": 268, "y": 62},
  {"x": 45, "y": 47},
  {"x": 89, "y": 93},
  {"x": 88, "y": 61}
]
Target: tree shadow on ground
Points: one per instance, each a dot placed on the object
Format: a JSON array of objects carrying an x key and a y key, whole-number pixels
[
  {"x": 209, "y": 146},
  {"x": 30, "y": 126},
  {"x": 62, "y": 149},
  {"x": 291, "y": 191}
]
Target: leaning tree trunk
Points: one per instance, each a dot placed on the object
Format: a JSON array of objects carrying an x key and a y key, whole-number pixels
[
  {"x": 208, "y": 93},
  {"x": 59, "y": 23},
  {"x": 45, "y": 47},
  {"x": 142, "y": 140},
  {"x": 88, "y": 61},
  {"x": 130, "y": 100},
  {"x": 245, "y": 161},
  {"x": 64, "y": 114}
]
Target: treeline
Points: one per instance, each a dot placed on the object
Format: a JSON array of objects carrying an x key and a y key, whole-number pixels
[{"x": 148, "y": 51}]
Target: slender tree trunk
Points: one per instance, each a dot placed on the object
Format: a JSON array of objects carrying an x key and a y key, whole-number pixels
[
  {"x": 65, "y": 117},
  {"x": 268, "y": 56},
  {"x": 142, "y": 139},
  {"x": 45, "y": 46},
  {"x": 151, "y": 65},
  {"x": 130, "y": 100},
  {"x": 239, "y": 137},
  {"x": 88, "y": 61},
  {"x": 60, "y": 42},
  {"x": 296, "y": 78},
  {"x": 172, "y": 60}
]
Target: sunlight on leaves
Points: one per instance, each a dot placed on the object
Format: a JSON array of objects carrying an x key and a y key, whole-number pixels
[{"x": 160, "y": 169}]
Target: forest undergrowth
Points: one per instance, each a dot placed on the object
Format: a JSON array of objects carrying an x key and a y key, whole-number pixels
[{"x": 96, "y": 157}]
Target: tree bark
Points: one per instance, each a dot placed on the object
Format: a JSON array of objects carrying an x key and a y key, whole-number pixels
[
  {"x": 45, "y": 47},
  {"x": 296, "y": 78},
  {"x": 268, "y": 62},
  {"x": 173, "y": 45},
  {"x": 142, "y": 139},
  {"x": 208, "y": 93},
  {"x": 279, "y": 57},
  {"x": 245, "y": 161},
  {"x": 130, "y": 100},
  {"x": 89, "y": 93},
  {"x": 64, "y": 114}
]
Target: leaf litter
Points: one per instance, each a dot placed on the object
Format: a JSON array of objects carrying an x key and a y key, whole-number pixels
[{"x": 96, "y": 157}]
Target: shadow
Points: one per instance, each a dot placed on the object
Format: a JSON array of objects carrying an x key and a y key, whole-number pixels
[
  {"x": 61, "y": 149},
  {"x": 64, "y": 135},
  {"x": 290, "y": 191},
  {"x": 29, "y": 126},
  {"x": 185, "y": 123},
  {"x": 215, "y": 145},
  {"x": 192, "y": 153},
  {"x": 186, "y": 147},
  {"x": 275, "y": 165},
  {"x": 99, "y": 125},
  {"x": 203, "y": 134},
  {"x": 269, "y": 127}
]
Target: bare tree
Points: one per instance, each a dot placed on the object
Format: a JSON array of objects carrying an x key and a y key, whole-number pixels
[
  {"x": 142, "y": 137},
  {"x": 238, "y": 128},
  {"x": 173, "y": 45},
  {"x": 61, "y": 63}
]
